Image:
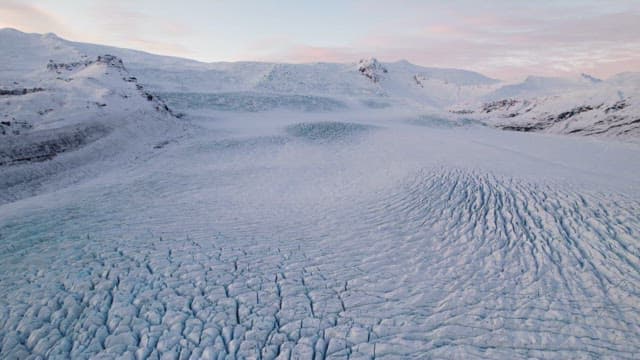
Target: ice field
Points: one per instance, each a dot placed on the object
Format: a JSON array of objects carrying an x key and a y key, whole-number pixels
[
  {"x": 289, "y": 236},
  {"x": 170, "y": 209}
]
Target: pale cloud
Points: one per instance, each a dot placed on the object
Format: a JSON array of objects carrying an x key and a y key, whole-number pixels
[
  {"x": 118, "y": 23},
  {"x": 159, "y": 47},
  {"x": 31, "y": 18},
  {"x": 112, "y": 23},
  {"x": 304, "y": 54},
  {"x": 503, "y": 39},
  {"x": 503, "y": 45}
]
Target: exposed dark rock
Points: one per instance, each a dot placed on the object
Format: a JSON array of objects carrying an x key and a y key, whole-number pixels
[
  {"x": 161, "y": 144},
  {"x": 110, "y": 60},
  {"x": 59, "y": 67},
  {"x": 590, "y": 78},
  {"x": 575, "y": 111},
  {"x": 13, "y": 127},
  {"x": 372, "y": 69},
  {"x": 523, "y": 128},
  {"x": 499, "y": 105},
  {"x": 45, "y": 111},
  {"x": 462, "y": 111},
  {"x": 23, "y": 91},
  {"x": 418, "y": 81},
  {"x": 617, "y": 106}
]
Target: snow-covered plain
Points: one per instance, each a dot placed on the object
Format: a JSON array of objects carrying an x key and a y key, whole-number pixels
[{"x": 306, "y": 226}]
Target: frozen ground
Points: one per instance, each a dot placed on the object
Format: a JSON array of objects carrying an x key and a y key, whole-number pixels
[{"x": 274, "y": 235}]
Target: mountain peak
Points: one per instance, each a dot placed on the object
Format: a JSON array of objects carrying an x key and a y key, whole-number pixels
[
  {"x": 51, "y": 36},
  {"x": 404, "y": 62},
  {"x": 372, "y": 69},
  {"x": 10, "y": 30}
]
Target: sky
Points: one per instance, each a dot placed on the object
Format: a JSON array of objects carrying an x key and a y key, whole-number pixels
[{"x": 506, "y": 39}]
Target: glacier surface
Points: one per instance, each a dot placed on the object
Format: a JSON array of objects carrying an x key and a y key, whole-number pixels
[
  {"x": 304, "y": 212},
  {"x": 332, "y": 239}
]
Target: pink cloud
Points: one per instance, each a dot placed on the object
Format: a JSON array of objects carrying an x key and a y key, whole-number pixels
[
  {"x": 442, "y": 30},
  {"x": 30, "y": 18},
  {"x": 316, "y": 53},
  {"x": 502, "y": 46},
  {"x": 118, "y": 23},
  {"x": 500, "y": 38}
]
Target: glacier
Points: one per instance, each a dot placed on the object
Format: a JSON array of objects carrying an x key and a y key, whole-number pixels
[{"x": 152, "y": 214}]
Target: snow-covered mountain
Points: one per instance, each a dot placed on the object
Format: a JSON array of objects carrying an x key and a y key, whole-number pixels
[
  {"x": 74, "y": 94},
  {"x": 534, "y": 86},
  {"x": 589, "y": 107},
  {"x": 368, "y": 83},
  {"x": 62, "y": 115},
  {"x": 555, "y": 105}
]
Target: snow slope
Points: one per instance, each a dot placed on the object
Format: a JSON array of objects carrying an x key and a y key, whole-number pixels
[
  {"x": 535, "y": 86},
  {"x": 537, "y": 104},
  {"x": 325, "y": 218},
  {"x": 404, "y": 83},
  {"x": 77, "y": 114},
  {"x": 609, "y": 109}
]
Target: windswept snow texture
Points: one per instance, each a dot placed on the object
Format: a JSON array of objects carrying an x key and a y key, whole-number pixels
[{"x": 304, "y": 212}]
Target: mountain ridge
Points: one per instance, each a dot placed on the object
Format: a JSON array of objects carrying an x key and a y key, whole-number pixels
[{"x": 368, "y": 84}]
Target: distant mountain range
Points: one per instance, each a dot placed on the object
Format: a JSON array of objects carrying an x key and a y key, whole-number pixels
[{"x": 582, "y": 105}]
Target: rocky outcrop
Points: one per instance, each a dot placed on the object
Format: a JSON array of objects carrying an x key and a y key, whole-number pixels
[
  {"x": 114, "y": 63},
  {"x": 108, "y": 60},
  {"x": 617, "y": 106},
  {"x": 575, "y": 111},
  {"x": 505, "y": 104},
  {"x": 23, "y": 91},
  {"x": 372, "y": 69},
  {"x": 71, "y": 66}
]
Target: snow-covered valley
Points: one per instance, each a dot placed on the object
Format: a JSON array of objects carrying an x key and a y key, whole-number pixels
[{"x": 172, "y": 209}]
